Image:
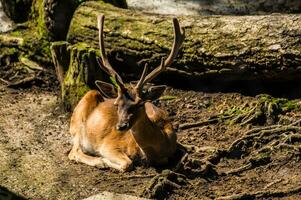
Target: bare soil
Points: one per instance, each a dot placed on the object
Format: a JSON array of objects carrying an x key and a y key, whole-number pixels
[{"x": 34, "y": 143}]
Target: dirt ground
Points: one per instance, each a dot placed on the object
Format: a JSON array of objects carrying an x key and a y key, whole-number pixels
[{"x": 227, "y": 158}]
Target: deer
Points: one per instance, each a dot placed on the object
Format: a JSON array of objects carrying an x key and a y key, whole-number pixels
[{"x": 113, "y": 127}]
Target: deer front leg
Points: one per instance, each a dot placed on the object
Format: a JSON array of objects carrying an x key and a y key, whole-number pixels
[
  {"x": 116, "y": 159},
  {"x": 78, "y": 155}
]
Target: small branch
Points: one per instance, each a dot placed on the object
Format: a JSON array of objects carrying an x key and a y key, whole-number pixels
[
  {"x": 239, "y": 170},
  {"x": 212, "y": 120},
  {"x": 4, "y": 81},
  {"x": 32, "y": 65},
  {"x": 23, "y": 82},
  {"x": 272, "y": 183},
  {"x": 196, "y": 124}
]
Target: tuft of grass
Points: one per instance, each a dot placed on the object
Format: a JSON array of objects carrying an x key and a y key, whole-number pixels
[{"x": 167, "y": 97}]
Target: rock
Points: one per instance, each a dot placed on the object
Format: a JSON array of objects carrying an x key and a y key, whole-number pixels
[
  {"x": 113, "y": 196},
  {"x": 5, "y": 23}
]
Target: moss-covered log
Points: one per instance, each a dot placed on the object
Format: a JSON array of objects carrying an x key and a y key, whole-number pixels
[{"x": 226, "y": 47}]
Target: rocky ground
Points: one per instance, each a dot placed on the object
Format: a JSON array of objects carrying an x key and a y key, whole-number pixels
[{"x": 238, "y": 147}]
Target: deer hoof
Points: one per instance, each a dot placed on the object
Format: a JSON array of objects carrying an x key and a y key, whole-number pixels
[
  {"x": 127, "y": 167},
  {"x": 100, "y": 164}
]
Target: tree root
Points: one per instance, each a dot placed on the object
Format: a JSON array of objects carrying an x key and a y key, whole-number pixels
[
  {"x": 197, "y": 124},
  {"x": 213, "y": 120},
  {"x": 163, "y": 183},
  {"x": 25, "y": 82},
  {"x": 261, "y": 135},
  {"x": 259, "y": 144},
  {"x": 262, "y": 194},
  {"x": 265, "y": 110}
]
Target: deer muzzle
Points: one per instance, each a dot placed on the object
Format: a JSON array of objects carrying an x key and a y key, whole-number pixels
[{"x": 123, "y": 126}]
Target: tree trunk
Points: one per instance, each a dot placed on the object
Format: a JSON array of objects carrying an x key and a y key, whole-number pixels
[{"x": 76, "y": 69}]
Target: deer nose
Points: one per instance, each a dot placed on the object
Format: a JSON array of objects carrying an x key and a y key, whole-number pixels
[{"x": 122, "y": 126}]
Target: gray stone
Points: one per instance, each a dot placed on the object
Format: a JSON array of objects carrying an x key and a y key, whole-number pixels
[
  {"x": 113, "y": 196},
  {"x": 5, "y": 23}
]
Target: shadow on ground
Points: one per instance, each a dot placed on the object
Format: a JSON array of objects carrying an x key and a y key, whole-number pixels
[{"x": 5, "y": 194}]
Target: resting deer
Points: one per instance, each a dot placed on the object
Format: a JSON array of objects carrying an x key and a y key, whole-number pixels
[{"x": 112, "y": 129}]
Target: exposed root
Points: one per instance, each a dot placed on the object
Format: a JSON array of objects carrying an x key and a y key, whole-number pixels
[
  {"x": 272, "y": 183},
  {"x": 262, "y": 136},
  {"x": 25, "y": 82},
  {"x": 187, "y": 167},
  {"x": 162, "y": 184},
  {"x": 239, "y": 170},
  {"x": 262, "y": 194},
  {"x": 265, "y": 110},
  {"x": 259, "y": 146},
  {"x": 205, "y": 168},
  {"x": 4, "y": 81},
  {"x": 197, "y": 124},
  {"x": 212, "y": 120}
]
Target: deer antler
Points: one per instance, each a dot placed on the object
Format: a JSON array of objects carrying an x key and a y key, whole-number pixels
[
  {"x": 179, "y": 34},
  {"x": 104, "y": 62}
]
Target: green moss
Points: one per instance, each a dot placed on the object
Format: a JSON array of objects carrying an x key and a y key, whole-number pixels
[
  {"x": 167, "y": 97},
  {"x": 232, "y": 111},
  {"x": 76, "y": 81},
  {"x": 284, "y": 105},
  {"x": 37, "y": 17},
  {"x": 265, "y": 109}
]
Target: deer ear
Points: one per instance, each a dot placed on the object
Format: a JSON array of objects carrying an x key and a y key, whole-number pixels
[
  {"x": 154, "y": 92},
  {"x": 107, "y": 90}
]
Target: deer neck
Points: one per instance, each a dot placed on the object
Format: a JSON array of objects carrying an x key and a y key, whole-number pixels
[{"x": 144, "y": 131}]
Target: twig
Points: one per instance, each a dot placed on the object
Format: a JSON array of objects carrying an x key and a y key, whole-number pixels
[
  {"x": 32, "y": 65},
  {"x": 196, "y": 124},
  {"x": 261, "y": 128},
  {"x": 265, "y": 132},
  {"x": 212, "y": 120},
  {"x": 4, "y": 81},
  {"x": 272, "y": 183},
  {"x": 239, "y": 170},
  {"x": 23, "y": 82}
]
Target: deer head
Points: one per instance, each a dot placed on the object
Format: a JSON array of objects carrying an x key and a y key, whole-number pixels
[{"x": 130, "y": 101}]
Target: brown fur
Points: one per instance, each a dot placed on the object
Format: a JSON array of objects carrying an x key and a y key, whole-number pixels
[{"x": 93, "y": 126}]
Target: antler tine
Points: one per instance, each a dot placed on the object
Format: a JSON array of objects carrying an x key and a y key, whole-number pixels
[
  {"x": 139, "y": 85},
  {"x": 104, "y": 62},
  {"x": 179, "y": 34},
  {"x": 177, "y": 43}
]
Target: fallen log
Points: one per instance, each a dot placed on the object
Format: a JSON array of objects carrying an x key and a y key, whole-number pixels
[
  {"x": 236, "y": 47},
  {"x": 222, "y": 48}
]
